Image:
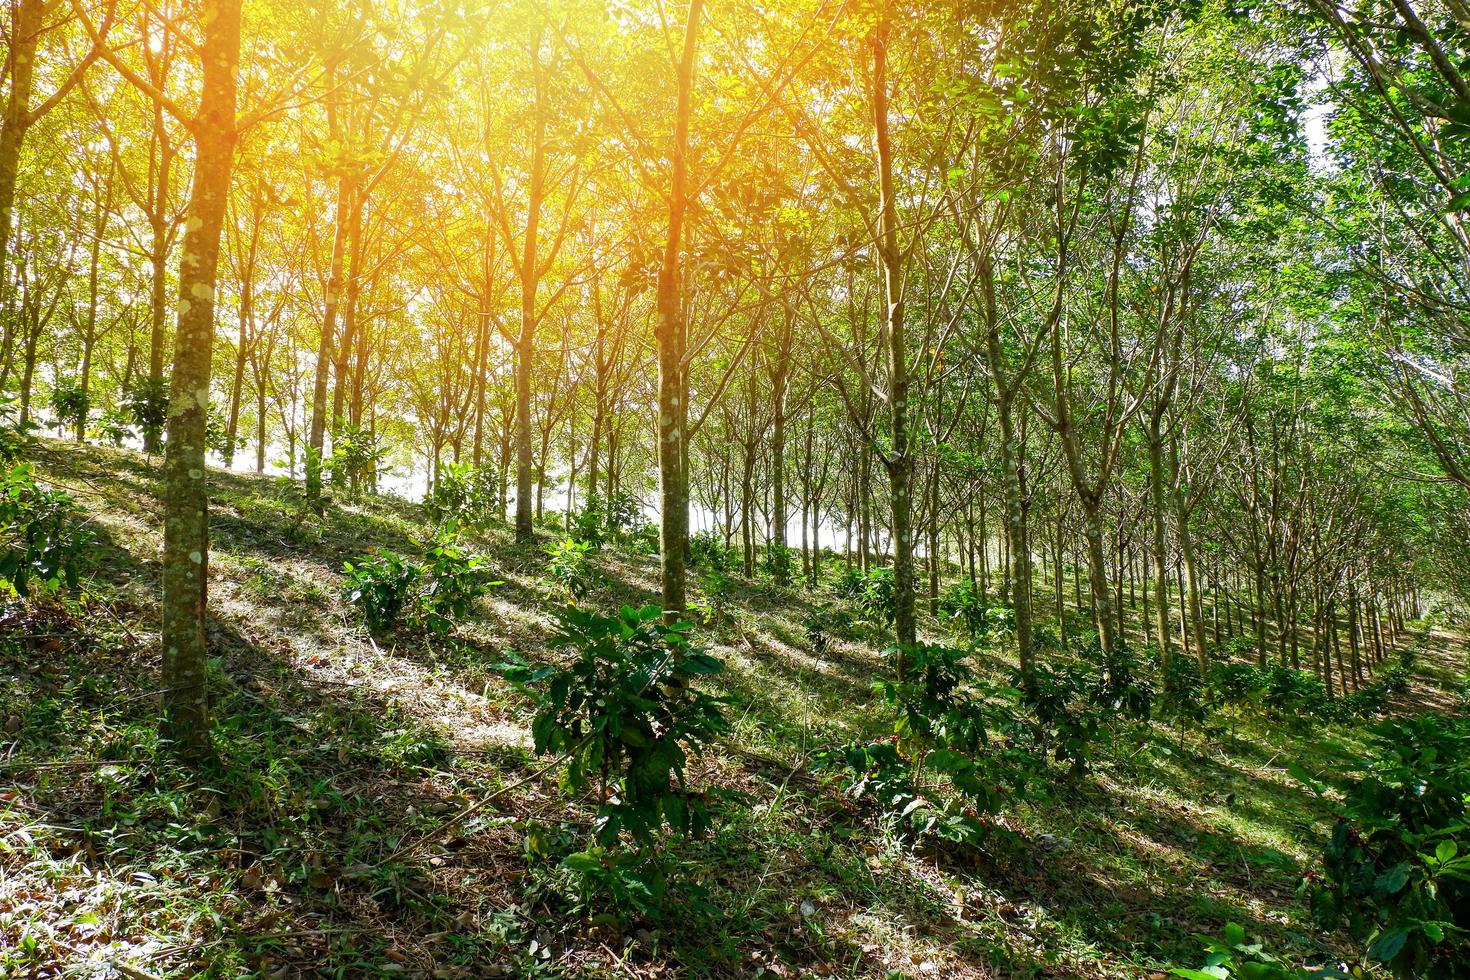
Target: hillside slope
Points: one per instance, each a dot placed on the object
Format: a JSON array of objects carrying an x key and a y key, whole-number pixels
[{"x": 370, "y": 812}]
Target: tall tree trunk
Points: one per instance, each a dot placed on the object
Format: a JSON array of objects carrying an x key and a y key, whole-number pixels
[
  {"x": 670, "y": 334},
  {"x": 316, "y": 435},
  {"x": 899, "y": 460},
  {"x": 186, "y": 495}
]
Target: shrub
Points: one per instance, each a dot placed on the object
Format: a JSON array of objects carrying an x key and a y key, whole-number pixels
[
  {"x": 708, "y": 552},
  {"x": 147, "y": 404},
  {"x": 436, "y": 592},
  {"x": 941, "y": 734},
  {"x": 355, "y": 455},
  {"x": 1236, "y": 683},
  {"x": 41, "y": 542},
  {"x": 1294, "y": 692},
  {"x": 1066, "y": 722},
  {"x": 1397, "y": 867},
  {"x": 589, "y": 525},
  {"x": 779, "y": 562},
  {"x": 113, "y": 428},
  {"x": 1185, "y": 695},
  {"x": 877, "y": 598},
  {"x": 454, "y": 579},
  {"x": 713, "y": 605},
  {"x": 848, "y": 584},
  {"x": 569, "y": 570},
  {"x": 961, "y": 605},
  {"x": 626, "y": 715},
  {"x": 70, "y": 403},
  {"x": 464, "y": 494},
  {"x": 381, "y": 586},
  {"x": 1231, "y": 957},
  {"x": 217, "y": 435},
  {"x": 821, "y": 623}
]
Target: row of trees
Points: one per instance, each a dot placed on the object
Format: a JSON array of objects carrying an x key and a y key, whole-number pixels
[{"x": 1031, "y": 285}]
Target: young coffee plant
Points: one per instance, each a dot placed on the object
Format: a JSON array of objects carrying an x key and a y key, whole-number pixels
[
  {"x": 381, "y": 585},
  {"x": 707, "y": 552},
  {"x": 712, "y": 607},
  {"x": 626, "y": 715},
  {"x": 1232, "y": 957},
  {"x": 1396, "y": 871},
  {"x": 779, "y": 562},
  {"x": 434, "y": 592},
  {"x": 822, "y": 623},
  {"x": 973, "y": 618},
  {"x": 569, "y": 571},
  {"x": 42, "y": 543},
  {"x": 453, "y": 579},
  {"x": 70, "y": 403},
  {"x": 147, "y": 404},
  {"x": 876, "y": 597},
  {"x": 939, "y": 772},
  {"x": 463, "y": 495}
]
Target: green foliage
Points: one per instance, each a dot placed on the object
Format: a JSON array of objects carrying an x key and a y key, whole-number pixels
[
  {"x": 464, "y": 494},
  {"x": 821, "y": 623},
  {"x": 1184, "y": 690},
  {"x": 147, "y": 404},
  {"x": 1292, "y": 692},
  {"x": 437, "y": 591},
  {"x": 778, "y": 561},
  {"x": 13, "y": 436},
  {"x": 1397, "y": 868},
  {"x": 873, "y": 594},
  {"x": 1233, "y": 958},
  {"x": 113, "y": 427},
  {"x": 941, "y": 737},
  {"x": 707, "y": 552},
  {"x": 453, "y": 579},
  {"x": 41, "y": 542},
  {"x": 69, "y": 402},
  {"x": 381, "y": 586},
  {"x": 716, "y": 589},
  {"x": 217, "y": 434},
  {"x": 569, "y": 569},
  {"x": 973, "y": 618},
  {"x": 626, "y": 716},
  {"x": 355, "y": 456}
]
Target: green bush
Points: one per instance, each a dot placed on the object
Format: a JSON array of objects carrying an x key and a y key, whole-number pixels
[
  {"x": 975, "y": 619},
  {"x": 147, "y": 404},
  {"x": 1294, "y": 692},
  {"x": 778, "y": 561},
  {"x": 941, "y": 739},
  {"x": 1396, "y": 870},
  {"x": 707, "y": 552},
  {"x": 453, "y": 579},
  {"x": 569, "y": 569},
  {"x": 381, "y": 586},
  {"x": 41, "y": 542},
  {"x": 70, "y": 403},
  {"x": 1233, "y": 957},
  {"x": 821, "y": 623},
  {"x": 876, "y": 598},
  {"x": 464, "y": 494},
  {"x": 626, "y": 715},
  {"x": 435, "y": 592},
  {"x": 713, "y": 604}
]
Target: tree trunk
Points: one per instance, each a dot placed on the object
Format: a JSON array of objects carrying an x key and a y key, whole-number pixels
[{"x": 186, "y": 499}]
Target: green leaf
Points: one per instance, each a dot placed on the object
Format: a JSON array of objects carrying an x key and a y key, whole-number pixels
[{"x": 1389, "y": 945}]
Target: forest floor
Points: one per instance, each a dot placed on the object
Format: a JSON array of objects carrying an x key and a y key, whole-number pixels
[{"x": 340, "y": 834}]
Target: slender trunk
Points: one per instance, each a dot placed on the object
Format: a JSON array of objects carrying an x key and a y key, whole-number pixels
[
  {"x": 186, "y": 496},
  {"x": 670, "y": 333}
]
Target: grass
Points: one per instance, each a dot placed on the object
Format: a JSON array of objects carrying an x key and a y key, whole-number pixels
[{"x": 329, "y": 839}]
